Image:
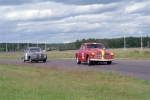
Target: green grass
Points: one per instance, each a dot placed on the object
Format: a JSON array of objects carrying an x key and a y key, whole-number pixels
[
  {"x": 34, "y": 83},
  {"x": 11, "y": 55},
  {"x": 130, "y": 53}
]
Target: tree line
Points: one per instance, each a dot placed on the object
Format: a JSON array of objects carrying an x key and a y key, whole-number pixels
[{"x": 131, "y": 42}]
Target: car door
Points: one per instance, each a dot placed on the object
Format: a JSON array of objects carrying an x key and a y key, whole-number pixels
[
  {"x": 79, "y": 53},
  {"x": 83, "y": 53}
]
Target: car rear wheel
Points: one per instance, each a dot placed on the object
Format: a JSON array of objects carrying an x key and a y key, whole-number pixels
[
  {"x": 88, "y": 61},
  {"x": 77, "y": 60}
]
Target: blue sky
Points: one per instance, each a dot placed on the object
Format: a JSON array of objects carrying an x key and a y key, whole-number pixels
[{"x": 62, "y": 21}]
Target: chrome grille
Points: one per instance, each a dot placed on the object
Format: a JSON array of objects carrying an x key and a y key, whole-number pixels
[
  {"x": 97, "y": 56},
  {"x": 106, "y": 56}
]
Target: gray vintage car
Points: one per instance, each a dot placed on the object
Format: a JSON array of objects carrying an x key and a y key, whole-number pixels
[{"x": 34, "y": 54}]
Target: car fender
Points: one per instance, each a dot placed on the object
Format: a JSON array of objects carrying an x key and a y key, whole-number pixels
[
  {"x": 87, "y": 55},
  {"x": 26, "y": 56}
]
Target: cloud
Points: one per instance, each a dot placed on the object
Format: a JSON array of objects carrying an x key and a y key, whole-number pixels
[
  {"x": 69, "y": 20},
  {"x": 14, "y": 2},
  {"x": 141, "y": 8},
  {"x": 85, "y": 2},
  {"x": 67, "y": 2},
  {"x": 28, "y": 15}
]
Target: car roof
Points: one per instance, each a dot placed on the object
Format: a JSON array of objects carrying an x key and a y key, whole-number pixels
[{"x": 92, "y": 43}]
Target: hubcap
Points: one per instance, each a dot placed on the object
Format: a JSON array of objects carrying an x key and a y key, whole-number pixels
[{"x": 88, "y": 61}]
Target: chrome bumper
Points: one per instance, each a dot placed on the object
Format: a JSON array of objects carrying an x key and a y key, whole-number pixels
[{"x": 101, "y": 59}]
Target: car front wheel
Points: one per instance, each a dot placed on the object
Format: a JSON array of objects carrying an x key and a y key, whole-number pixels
[
  {"x": 44, "y": 60},
  {"x": 23, "y": 59},
  {"x": 77, "y": 60},
  {"x": 88, "y": 61}
]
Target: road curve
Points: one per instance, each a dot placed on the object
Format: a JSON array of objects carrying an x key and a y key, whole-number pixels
[{"x": 134, "y": 68}]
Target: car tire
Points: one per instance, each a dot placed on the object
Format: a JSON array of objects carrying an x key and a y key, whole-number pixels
[
  {"x": 109, "y": 62},
  {"x": 77, "y": 60},
  {"x": 88, "y": 61},
  {"x": 44, "y": 60},
  {"x": 23, "y": 59}
]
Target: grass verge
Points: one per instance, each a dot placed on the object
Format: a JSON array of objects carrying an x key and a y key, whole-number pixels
[{"x": 33, "y": 83}]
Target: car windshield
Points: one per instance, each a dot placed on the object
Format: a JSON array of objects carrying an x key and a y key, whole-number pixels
[
  {"x": 95, "y": 46},
  {"x": 35, "y": 50}
]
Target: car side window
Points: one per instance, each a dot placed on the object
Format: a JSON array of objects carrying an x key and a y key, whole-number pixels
[
  {"x": 35, "y": 50},
  {"x": 32, "y": 50},
  {"x": 83, "y": 48}
]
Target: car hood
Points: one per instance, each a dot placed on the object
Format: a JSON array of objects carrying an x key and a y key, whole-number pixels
[
  {"x": 96, "y": 50},
  {"x": 38, "y": 53}
]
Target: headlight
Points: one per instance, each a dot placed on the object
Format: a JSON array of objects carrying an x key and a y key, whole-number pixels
[
  {"x": 93, "y": 53},
  {"x": 111, "y": 54}
]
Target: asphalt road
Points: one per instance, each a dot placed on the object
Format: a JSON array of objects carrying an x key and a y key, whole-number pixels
[{"x": 134, "y": 68}]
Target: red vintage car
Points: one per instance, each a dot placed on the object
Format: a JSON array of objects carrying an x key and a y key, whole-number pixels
[{"x": 93, "y": 53}]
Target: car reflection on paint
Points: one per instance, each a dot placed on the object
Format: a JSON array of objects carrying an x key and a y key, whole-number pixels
[
  {"x": 93, "y": 53},
  {"x": 34, "y": 54}
]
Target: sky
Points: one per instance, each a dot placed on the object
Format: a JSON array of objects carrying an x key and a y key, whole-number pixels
[{"x": 64, "y": 21}]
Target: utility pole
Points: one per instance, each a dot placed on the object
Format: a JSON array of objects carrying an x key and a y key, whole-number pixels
[
  {"x": 37, "y": 41},
  {"x": 28, "y": 41},
  {"x": 18, "y": 42},
  {"x": 45, "y": 44},
  {"x": 124, "y": 39},
  {"x": 6, "y": 43},
  {"x": 141, "y": 39}
]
